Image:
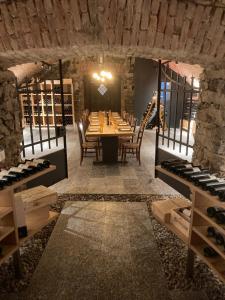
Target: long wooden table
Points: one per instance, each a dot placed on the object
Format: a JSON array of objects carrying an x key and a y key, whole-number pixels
[{"x": 109, "y": 135}]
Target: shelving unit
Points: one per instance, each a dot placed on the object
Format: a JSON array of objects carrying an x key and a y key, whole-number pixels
[
  {"x": 43, "y": 106},
  {"x": 198, "y": 238},
  {"x": 9, "y": 240}
]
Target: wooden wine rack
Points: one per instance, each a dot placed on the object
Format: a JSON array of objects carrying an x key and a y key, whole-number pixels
[
  {"x": 9, "y": 240},
  {"x": 200, "y": 221}
]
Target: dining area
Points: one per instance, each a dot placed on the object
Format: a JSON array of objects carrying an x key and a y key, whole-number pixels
[{"x": 110, "y": 136}]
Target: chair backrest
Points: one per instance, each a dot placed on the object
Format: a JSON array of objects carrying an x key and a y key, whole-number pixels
[
  {"x": 85, "y": 123},
  {"x": 133, "y": 124},
  {"x": 81, "y": 133},
  {"x": 140, "y": 135}
]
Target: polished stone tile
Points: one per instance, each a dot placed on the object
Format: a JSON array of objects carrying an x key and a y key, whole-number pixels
[{"x": 100, "y": 250}]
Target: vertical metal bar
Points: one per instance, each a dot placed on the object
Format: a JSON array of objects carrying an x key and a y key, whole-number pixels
[
  {"x": 175, "y": 119},
  {"x": 39, "y": 116},
  {"x": 63, "y": 116},
  {"x": 189, "y": 115},
  {"x": 30, "y": 116},
  {"x": 164, "y": 109},
  {"x": 169, "y": 125},
  {"x": 182, "y": 113},
  {"x": 46, "y": 113},
  {"x": 21, "y": 109},
  {"x": 54, "y": 112},
  {"x": 157, "y": 116}
]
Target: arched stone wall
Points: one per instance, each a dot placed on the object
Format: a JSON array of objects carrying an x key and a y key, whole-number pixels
[
  {"x": 186, "y": 31},
  {"x": 189, "y": 31}
]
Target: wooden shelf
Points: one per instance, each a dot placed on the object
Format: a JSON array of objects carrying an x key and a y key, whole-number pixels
[
  {"x": 8, "y": 250},
  {"x": 200, "y": 221},
  {"x": 51, "y": 95},
  {"x": 203, "y": 213},
  {"x": 37, "y": 226},
  {"x": 5, "y": 231},
  {"x": 31, "y": 177},
  {"x": 4, "y": 211},
  {"x": 202, "y": 232},
  {"x": 217, "y": 264}
]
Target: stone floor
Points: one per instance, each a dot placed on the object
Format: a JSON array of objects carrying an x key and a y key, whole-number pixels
[
  {"x": 100, "y": 250},
  {"x": 106, "y": 179}
]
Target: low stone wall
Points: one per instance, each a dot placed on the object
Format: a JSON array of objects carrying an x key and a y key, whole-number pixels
[
  {"x": 209, "y": 147},
  {"x": 10, "y": 129}
]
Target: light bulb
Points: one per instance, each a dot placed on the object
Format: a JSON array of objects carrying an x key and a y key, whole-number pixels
[
  {"x": 95, "y": 75},
  {"x": 103, "y": 73},
  {"x": 109, "y": 75}
]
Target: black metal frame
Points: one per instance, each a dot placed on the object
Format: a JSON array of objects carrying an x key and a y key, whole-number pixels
[
  {"x": 29, "y": 89},
  {"x": 178, "y": 91}
]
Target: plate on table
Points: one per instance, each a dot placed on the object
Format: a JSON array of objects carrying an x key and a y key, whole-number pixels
[
  {"x": 96, "y": 129},
  {"x": 124, "y": 129}
]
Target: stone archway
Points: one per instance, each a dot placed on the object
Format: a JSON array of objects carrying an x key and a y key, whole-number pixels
[{"x": 187, "y": 31}]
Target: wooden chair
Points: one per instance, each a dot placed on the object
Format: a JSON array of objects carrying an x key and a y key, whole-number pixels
[
  {"x": 86, "y": 146},
  {"x": 127, "y": 139},
  {"x": 134, "y": 147}
]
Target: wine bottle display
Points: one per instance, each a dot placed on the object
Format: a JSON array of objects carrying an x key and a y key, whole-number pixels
[
  {"x": 213, "y": 210},
  {"x": 210, "y": 252}
]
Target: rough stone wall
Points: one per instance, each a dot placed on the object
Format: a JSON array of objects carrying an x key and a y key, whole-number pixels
[
  {"x": 189, "y": 31},
  {"x": 209, "y": 147},
  {"x": 127, "y": 87},
  {"x": 10, "y": 129}
]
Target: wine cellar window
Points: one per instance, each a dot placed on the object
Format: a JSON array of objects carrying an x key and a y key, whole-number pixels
[{"x": 44, "y": 107}]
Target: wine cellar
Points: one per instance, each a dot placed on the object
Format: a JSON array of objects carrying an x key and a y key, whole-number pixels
[
  {"x": 112, "y": 149},
  {"x": 41, "y": 103}
]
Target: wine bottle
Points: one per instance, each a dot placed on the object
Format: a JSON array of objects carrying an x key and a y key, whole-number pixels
[
  {"x": 220, "y": 217},
  {"x": 203, "y": 182},
  {"x": 196, "y": 179},
  {"x": 213, "y": 210},
  {"x": 210, "y": 252},
  {"x": 218, "y": 182},
  {"x": 4, "y": 182},
  {"x": 195, "y": 171},
  {"x": 17, "y": 171},
  {"x": 211, "y": 232},
  {"x": 219, "y": 239},
  {"x": 35, "y": 165},
  {"x": 167, "y": 163},
  {"x": 9, "y": 177},
  {"x": 221, "y": 195},
  {"x": 217, "y": 189},
  {"x": 44, "y": 162},
  {"x": 26, "y": 169},
  {"x": 177, "y": 169}
]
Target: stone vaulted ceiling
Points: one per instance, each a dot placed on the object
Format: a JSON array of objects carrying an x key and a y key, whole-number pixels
[{"x": 188, "y": 31}]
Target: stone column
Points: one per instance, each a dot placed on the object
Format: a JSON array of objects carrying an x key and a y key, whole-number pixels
[
  {"x": 127, "y": 87},
  {"x": 10, "y": 129},
  {"x": 209, "y": 147}
]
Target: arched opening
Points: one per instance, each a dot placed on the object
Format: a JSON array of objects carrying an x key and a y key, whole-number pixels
[{"x": 155, "y": 51}]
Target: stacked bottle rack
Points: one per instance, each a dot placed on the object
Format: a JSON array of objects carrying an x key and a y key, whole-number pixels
[
  {"x": 207, "y": 228},
  {"x": 44, "y": 105},
  {"x": 9, "y": 238}
]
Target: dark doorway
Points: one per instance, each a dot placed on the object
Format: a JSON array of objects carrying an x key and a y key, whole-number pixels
[{"x": 107, "y": 98}]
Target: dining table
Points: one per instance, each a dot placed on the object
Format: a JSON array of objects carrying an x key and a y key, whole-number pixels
[{"x": 108, "y": 127}]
